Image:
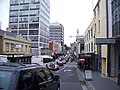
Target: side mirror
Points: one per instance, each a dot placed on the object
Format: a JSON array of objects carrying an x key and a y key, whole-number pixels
[{"x": 57, "y": 77}]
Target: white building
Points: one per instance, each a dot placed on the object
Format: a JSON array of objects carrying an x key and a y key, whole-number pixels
[
  {"x": 31, "y": 19},
  {"x": 89, "y": 39},
  {"x": 57, "y": 33}
]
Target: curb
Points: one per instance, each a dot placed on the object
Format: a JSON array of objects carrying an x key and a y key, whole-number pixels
[{"x": 89, "y": 85}]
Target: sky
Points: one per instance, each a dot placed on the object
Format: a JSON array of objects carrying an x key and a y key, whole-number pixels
[{"x": 72, "y": 14}]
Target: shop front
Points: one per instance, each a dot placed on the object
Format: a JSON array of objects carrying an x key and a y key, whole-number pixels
[{"x": 89, "y": 60}]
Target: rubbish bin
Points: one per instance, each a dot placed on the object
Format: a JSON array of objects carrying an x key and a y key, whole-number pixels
[
  {"x": 118, "y": 82},
  {"x": 88, "y": 74}
]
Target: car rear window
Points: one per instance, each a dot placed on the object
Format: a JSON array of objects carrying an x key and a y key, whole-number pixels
[{"x": 5, "y": 77}]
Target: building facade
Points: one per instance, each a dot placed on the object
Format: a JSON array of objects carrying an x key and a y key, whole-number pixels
[
  {"x": 89, "y": 39},
  {"x": 54, "y": 47},
  {"x": 100, "y": 31},
  {"x": 114, "y": 33},
  {"x": 14, "y": 46},
  {"x": 31, "y": 19},
  {"x": 57, "y": 34}
]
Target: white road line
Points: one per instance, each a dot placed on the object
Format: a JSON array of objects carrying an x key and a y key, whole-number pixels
[
  {"x": 60, "y": 70},
  {"x": 84, "y": 87}
]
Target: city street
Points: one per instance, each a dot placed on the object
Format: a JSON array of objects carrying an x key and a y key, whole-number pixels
[{"x": 69, "y": 78}]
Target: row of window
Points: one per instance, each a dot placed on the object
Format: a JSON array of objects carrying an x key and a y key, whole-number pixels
[
  {"x": 35, "y": 45},
  {"x": 24, "y": 14},
  {"x": 24, "y": 20},
  {"x": 89, "y": 34},
  {"x": 16, "y": 2},
  {"x": 24, "y": 26},
  {"x": 11, "y": 47},
  {"x": 89, "y": 47}
]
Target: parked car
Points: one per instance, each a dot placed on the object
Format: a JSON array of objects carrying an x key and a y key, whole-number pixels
[
  {"x": 16, "y": 76},
  {"x": 81, "y": 63},
  {"x": 60, "y": 63},
  {"x": 52, "y": 66}
]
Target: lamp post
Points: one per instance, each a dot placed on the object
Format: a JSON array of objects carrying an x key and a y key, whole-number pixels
[{"x": 40, "y": 50}]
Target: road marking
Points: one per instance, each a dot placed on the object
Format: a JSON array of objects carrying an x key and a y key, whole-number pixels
[
  {"x": 84, "y": 87},
  {"x": 67, "y": 70},
  {"x": 60, "y": 70}
]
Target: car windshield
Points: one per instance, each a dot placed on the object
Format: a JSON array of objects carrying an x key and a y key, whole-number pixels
[{"x": 5, "y": 80}]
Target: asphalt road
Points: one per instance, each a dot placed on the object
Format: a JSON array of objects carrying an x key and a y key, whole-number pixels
[{"x": 69, "y": 78}]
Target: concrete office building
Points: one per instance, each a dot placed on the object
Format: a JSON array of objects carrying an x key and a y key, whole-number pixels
[
  {"x": 114, "y": 33},
  {"x": 31, "y": 19},
  {"x": 57, "y": 34}
]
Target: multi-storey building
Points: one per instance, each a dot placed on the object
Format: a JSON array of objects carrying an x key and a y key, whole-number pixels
[
  {"x": 31, "y": 18},
  {"x": 100, "y": 31},
  {"x": 57, "y": 33},
  {"x": 114, "y": 33},
  {"x": 89, "y": 39},
  {"x": 16, "y": 48},
  {"x": 54, "y": 47}
]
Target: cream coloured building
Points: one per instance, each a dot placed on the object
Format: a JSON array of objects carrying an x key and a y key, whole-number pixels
[
  {"x": 14, "y": 46},
  {"x": 100, "y": 31}
]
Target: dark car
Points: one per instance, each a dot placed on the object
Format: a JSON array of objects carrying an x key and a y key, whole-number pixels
[
  {"x": 14, "y": 76},
  {"x": 52, "y": 66}
]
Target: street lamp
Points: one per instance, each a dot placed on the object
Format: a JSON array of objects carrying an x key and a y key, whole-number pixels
[{"x": 40, "y": 50}]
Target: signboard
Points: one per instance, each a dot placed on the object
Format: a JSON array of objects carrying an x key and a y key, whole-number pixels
[
  {"x": 105, "y": 41},
  {"x": 88, "y": 74},
  {"x": 17, "y": 46}
]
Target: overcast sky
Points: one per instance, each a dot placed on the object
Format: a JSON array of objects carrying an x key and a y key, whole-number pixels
[{"x": 73, "y": 14}]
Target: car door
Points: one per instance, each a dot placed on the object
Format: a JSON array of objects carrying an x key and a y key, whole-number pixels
[
  {"x": 40, "y": 81},
  {"x": 25, "y": 81},
  {"x": 53, "y": 84}
]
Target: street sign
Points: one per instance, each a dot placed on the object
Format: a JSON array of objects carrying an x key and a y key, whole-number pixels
[
  {"x": 88, "y": 74},
  {"x": 105, "y": 41}
]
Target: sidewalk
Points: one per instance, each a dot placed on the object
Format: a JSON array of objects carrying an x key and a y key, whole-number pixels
[{"x": 100, "y": 82}]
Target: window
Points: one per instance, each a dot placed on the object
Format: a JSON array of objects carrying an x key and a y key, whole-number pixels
[
  {"x": 95, "y": 14},
  {"x": 23, "y": 20},
  {"x": 40, "y": 75},
  {"x": 23, "y": 26},
  {"x": 12, "y": 47},
  {"x": 91, "y": 32},
  {"x": 26, "y": 48},
  {"x": 33, "y": 38},
  {"x": 49, "y": 75},
  {"x": 26, "y": 79},
  {"x": 34, "y": 19},
  {"x": 98, "y": 10},
  {"x": 15, "y": 32},
  {"x": 5, "y": 79},
  {"x": 23, "y": 32},
  {"x": 7, "y": 47},
  {"x": 33, "y": 32},
  {"x": 99, "y": 26},
  {"x": 14, "y": 26},
  {"x": 34, "y": 45},
  {"x": 91, "y": 46},
  {"x": 33, "y": 26}
]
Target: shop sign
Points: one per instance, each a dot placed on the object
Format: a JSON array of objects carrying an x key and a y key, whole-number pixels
[
  {"x": 17, "y": 46},
  {"x": 105, "y": 41}
]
